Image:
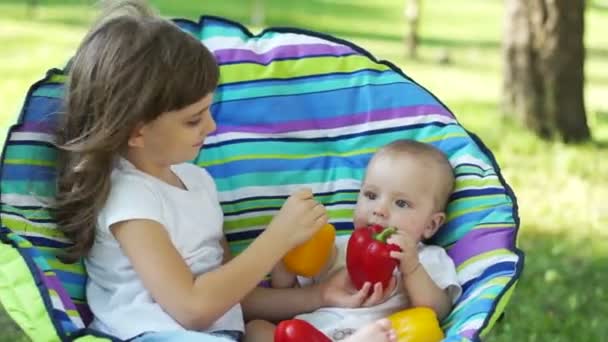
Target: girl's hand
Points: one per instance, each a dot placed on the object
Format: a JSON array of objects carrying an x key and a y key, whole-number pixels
[
  {"x": 408, "y": 256},
  {"x": 379, "y": 295},
  {"x": 339, "y": 291},
  {"x": 299, "y": 218}
]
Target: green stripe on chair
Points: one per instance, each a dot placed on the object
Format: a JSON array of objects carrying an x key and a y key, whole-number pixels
[{"x": 21, "y": 298}]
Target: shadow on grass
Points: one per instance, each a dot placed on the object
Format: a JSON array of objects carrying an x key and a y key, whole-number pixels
[
  {"x": 601, "y": 144},
  {"x": 68, "y": 13},
  {"x": 9, "y": 330},
  {"x": 302, "y": 14},
  {"x": 601, "y": 6},
  {"x": 460, "y": 43},
  {"x": 49, "y": 3},
  {"x": 277, "y": 12},
  {"x": 561, "y": 291},
  {"x": 70, "y": 21},
  {"x": 362, "y": 10},
  {"x": 602, "y": 121},
  {"x": 596, "y": 80},
  {"x": 596, "y": 52}
]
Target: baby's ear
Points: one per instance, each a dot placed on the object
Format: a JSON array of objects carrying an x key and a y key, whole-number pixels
[{"x": 435, "y": 221}]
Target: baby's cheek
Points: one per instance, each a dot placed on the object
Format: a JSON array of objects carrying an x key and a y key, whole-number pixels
[
  {"x": 359, "y": 218},
  {"x": 401, "y": 222}
]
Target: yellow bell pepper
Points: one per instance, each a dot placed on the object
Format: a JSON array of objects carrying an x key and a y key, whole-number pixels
[
  {"x": 418, "y": 324},
  {"x": 309, "y": 258}
]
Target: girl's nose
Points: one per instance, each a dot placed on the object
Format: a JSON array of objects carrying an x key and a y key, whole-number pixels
[{"x": 210, "y": 126}]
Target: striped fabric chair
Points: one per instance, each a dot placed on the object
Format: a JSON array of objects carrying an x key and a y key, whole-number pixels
[{"x": 294, "y": 108}]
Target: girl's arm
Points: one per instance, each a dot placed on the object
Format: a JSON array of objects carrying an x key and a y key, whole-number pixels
[
  {"x": 275, "y": 304},
  {"x": 227, "y": 254},
  {"x": 279, "y": 304},
  {"x": 194, "y": 302},
  {"x": 280, "y": 277},
  {"x": 336, "y": 291},
  {"x": 197, "y": 302}
]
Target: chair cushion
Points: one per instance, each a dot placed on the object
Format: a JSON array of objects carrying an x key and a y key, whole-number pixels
[{"x": 294, "y": 108}]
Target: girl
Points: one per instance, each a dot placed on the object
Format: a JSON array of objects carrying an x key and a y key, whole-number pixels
[{"x": 149, "y": 224}]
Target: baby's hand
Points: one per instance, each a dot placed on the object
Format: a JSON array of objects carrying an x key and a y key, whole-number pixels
[
  {"x": 408, "y": 257},
  {"x": 281, "y": 278},
  {"x": 299, "y": 218}
]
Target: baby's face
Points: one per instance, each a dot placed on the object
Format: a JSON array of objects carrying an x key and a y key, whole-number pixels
[{"x": 399, "y": 192}]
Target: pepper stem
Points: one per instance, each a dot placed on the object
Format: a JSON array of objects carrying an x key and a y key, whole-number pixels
[{"x": 385, "y": 234}]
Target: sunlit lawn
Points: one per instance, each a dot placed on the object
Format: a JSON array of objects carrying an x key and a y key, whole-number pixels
[{"x": 562, "y": 190}]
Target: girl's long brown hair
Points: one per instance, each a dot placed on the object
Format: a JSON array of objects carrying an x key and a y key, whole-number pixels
[{"x": 131, "y": 67}]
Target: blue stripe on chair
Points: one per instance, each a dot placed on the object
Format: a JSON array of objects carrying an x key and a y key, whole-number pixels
[{"x": 298, "y": 107}]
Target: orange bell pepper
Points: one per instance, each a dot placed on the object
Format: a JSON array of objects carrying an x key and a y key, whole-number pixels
[
  {"x": 418, "y": 324},
  {"x": 309, "y": 258}
]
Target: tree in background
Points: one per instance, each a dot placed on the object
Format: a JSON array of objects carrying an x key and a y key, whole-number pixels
[
  {"x": 258, "y": 13},
  {"x": 544, "y": 55},
  {"x": 32, "y": 5},
  {"x": 412, "y": 17}
]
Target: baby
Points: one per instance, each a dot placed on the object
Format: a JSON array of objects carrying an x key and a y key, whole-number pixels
[{"x": 407, "y": 186}]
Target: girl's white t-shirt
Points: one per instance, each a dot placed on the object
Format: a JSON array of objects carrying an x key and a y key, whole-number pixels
[{"x": 193, "y": 219}]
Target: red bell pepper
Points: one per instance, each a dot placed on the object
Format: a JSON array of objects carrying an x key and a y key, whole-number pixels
[
  {"x": 297, "y": 330},
  {"x": 368, "y": 256}
]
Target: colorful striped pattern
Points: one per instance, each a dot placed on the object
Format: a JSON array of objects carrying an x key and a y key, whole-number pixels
[{"x": 294, "y": 108}]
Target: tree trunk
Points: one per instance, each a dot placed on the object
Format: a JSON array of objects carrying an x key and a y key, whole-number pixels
[
  {"x": 32, "y": 6},
  {"x": 543, "y": 56},
  {"x": 412, "y": 17},
  {"x": 258, "y": 13}
]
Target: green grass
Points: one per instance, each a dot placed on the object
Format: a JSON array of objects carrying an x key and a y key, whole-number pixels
[{"x": 561, "y": 189}]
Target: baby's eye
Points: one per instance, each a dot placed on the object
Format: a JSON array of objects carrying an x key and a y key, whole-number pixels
[
  {"x": 402, "y": 203},
  {"x": 370, "y": 195}
]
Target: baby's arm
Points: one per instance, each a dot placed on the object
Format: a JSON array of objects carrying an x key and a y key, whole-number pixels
[
  {"x": 281, "y": 278},
  {"x": 419, "y": 286},
  {"x": 422, "y": 291}
]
